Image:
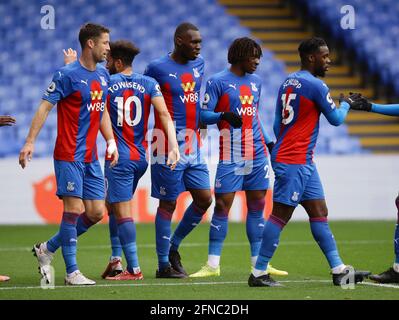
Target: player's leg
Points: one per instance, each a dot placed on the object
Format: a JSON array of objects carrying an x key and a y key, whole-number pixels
[
  {"x": 279, "y": 217},
  {"x": 392, "y": 274},
  {"x": 166, "y": 185},
  {"x": 127, "y": 235},
  {"x": 196, "y": 181},
  {"x": 256, "y": 182},
  {"x": 202, "y": 199},
  {"x": 217, "y": 234},
  {"x": 68, "y": 233},
  {"x": 114, "y": 178},
  {"x": 92, "y": 187},
  {"x": 122, "y": 183},
  {"x": 315, "y": 205},
  {"x": 93, "y": 195},
  {"x": 255, "y": 225},
  {"x": 114, "y": 266},
  {"x": 284, "y": 203},
  {"x": 227, "y": 182},
  {"x": 69, "y": 177}
]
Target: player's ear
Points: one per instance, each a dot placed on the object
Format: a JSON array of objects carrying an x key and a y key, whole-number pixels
[
  {"x": 90, "y": 43},
  {"x": 178, "y": 41},
  {"x": 311, "y": 58},
  {"x": 119, "y": 64}
]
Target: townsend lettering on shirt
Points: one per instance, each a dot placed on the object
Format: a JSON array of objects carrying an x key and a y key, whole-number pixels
[{"x": 126, "y": 85}]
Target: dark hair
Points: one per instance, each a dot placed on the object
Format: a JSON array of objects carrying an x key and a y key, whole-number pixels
[
  {"x": 242, "y": 49},
  {"x": 124, "y": 50},
  {"x": 310, "y": 46},
  {"x": 90, "y": 31},
  {"x": 183, "y": 28}
]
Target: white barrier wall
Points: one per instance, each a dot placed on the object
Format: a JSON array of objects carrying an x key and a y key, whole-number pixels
[{"x": 356, "y": 187}]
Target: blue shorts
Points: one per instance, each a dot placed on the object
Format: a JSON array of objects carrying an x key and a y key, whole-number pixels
[
  {"x": 79, "y": 179},
  {"x": 121, "y": 181},
  {"x": 244, "y": 175},
  {"x": 295, "y": 183},
  {"x": 167, "y": 184}
]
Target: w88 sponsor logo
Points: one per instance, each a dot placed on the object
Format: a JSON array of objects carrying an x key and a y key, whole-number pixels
[
  {"x": 192, "y": 97},
  {"x": 96, "y": 106},
  {"x": 246, "y": 111}
]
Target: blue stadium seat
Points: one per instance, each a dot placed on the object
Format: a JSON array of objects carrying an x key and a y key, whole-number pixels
[{"x": 35, "y": 54}]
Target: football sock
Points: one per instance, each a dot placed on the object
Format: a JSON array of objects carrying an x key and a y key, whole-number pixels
[
  {"x": 396, "y": 238},
  {"x": 270, "y": 241},
  {"x": 325, "y": 239},
  {"x": 114, "y": 236},
  {"x": 396, "y": 244},
  {"x": 83, "y": 224},
  {"x": 127, "y": 235},
  {"x": 254, "y": 225},
  {"x": 162, "y": 233},
  {"x": 69, "y": 240},
  {"x": 213, "y": 261},
  {"x": 191, "y": 218},
  {"x": 217, "y": 232}
]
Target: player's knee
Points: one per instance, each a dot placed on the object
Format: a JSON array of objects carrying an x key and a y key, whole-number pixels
[
  {"x": 220, "y": 206},
  {"x": 204, "y": 203},
  {"x": 168, "y": 206},
  {"x": 256, "y": 205},
  {"x": 95, "y": 215}
]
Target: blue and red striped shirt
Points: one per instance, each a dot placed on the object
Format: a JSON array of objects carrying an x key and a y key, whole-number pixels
[
  {"x": 227, "y": 92},
  {"x": 80, "y": 95},
  {"x": 180, "y": 86},
  {"x": 301, "y": 99},
  {"x": 129, "y": 103}
]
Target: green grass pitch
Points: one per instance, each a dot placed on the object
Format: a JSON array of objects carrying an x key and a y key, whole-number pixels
[{"x": 366, "y": 245}]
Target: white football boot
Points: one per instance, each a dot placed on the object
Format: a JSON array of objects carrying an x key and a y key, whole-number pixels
[
  {"x": 44, "y": 258},
  {"x": 76, "y": 278}
]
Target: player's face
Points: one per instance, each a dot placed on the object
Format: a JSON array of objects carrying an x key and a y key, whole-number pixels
[
  {"x": 322, "y": 61},
  {"x": 191, "y": 44},
  {"x": 251, "y": 64},
  {"x": 101, "y": 47},
  {"x": 110, "y": 64}
]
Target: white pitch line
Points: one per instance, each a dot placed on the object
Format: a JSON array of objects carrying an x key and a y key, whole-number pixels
[
  {"x": 187, "y": 284},
  {"x": 205, "y": 244},
  {"x": 156, "y": 284},
  {"x": 385, "y": 285}
]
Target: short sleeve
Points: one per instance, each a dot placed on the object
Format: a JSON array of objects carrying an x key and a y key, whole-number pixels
[
  {"x": 212, "y": 95},
  {"x": 155, "y": 89},
  {"x": 59, "y": 88},
  {"x": 322, "y": 97}
]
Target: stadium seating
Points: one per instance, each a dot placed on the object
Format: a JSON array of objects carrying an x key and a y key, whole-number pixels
[
  {"x": 375, "y": 38},
  {"x": 30, "y": 55}
]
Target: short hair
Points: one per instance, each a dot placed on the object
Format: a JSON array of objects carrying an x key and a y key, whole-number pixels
[
  {"x": 242, "y": 49},
  {"x": 124, "y": 50},
  {"x": 183, "y": 28},
  {"x": 310, "y": 46},
  {"x": 91, "y": 31}
]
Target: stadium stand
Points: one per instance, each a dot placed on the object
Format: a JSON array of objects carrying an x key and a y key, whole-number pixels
[
  {"x": 31, "y": 54},
  {"x": 375, "y": 45}
]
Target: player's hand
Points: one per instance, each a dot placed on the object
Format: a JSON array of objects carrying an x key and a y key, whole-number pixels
[
  {"x": 70, "y": 55},
  {"x": 270, "y": 147},
  {"x": 173, "y": 158},
  {"x": 7, "y": 121},
  {"x": 362, "y": 103},
  {"x": 232, "y": 118},
  {"x": 112, "y": 150},
  {"x": 26, "y": 154},
  {"x": 356, "y": 101}
]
